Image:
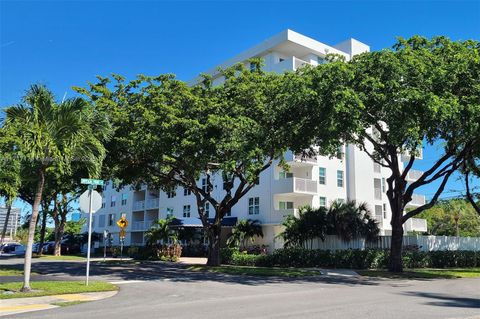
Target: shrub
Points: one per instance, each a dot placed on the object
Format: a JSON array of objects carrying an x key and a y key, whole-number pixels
[{"x": 352, "y": 258}]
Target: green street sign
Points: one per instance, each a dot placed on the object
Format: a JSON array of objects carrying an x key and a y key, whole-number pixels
[{"x": 90, "y": 181}]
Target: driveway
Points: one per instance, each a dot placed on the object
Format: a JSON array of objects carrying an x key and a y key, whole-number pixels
[{"x": 160, "y": 290}]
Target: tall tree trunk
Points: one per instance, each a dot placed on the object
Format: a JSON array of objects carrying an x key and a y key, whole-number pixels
[
  {"x": 214, "y": 245},
  {"x": 43, "y": 229},
  {"x": 31, "y": 230},
  {"x": 60, "y": 220},
  {"x": 7, "y": 217},
  {"x": 395, "y": 262}
]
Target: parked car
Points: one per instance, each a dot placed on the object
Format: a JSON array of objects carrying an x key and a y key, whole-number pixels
[{"x": 13, "y": 248}]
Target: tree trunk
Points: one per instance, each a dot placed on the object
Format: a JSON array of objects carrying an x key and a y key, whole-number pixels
[
  {"x": 31, "y": 231},
  {"x": 214, "y": 246},
  {"x": 43, "y": 229},
  {"x": 59, "y": 230},
  {"x": 395, "y": 262},
  {"x": 5, "y": 225}
]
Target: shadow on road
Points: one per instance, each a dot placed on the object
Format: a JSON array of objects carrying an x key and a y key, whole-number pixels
[
  {"x": 62, "y": 270},
  {"x": 444, "y": 300}
]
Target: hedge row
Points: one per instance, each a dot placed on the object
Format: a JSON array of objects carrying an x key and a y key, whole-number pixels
[{"x": 352, "y": 258}]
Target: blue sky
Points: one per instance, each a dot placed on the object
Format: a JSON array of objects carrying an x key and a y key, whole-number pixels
[{"x": 66, "y": 43}]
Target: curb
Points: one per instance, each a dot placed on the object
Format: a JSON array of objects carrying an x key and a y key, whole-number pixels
[{"x": 21, "y": 305}]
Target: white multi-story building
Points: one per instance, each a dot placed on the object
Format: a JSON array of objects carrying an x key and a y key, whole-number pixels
[{"x": 314, "y": 181}]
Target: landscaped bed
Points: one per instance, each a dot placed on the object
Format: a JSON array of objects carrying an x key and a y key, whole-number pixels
[
  {"x": 257, "y": 271},
  {"x": 425, "y": 273},
  {"x": 47, "y": 288}
]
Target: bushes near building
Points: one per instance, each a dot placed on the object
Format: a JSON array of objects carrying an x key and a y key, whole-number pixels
[{"x": 352, "y": 258}]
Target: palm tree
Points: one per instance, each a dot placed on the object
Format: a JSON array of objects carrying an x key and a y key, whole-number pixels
[
  {"x": 351, "y": 221},
  {"x": 161, "y": 231},
  {"x": 243, "y": 231},
  {"x": 49, "y": 138},
  {"x": 310, "y": 224}
]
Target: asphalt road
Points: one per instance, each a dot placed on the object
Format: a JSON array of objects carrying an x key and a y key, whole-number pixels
[{"x": 171, "y": 291}]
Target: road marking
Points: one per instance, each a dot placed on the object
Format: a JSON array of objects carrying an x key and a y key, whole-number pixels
[
  {"x": 73, "y": 297},
  {"x": 24, "y": 307},
  {"x": 126, "y": 282}
]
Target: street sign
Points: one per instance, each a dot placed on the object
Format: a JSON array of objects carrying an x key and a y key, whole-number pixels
[
  {"x": 89, "y": 181},
  {"x": 122, "y": 222},
  {"x": 85, "y": 201}
]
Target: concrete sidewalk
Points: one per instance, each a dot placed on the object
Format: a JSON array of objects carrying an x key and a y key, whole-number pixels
[{"x": 20, "y": 305}]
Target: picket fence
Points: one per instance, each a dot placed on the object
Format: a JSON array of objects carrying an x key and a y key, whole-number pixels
[{"x": 423, "y": 243}]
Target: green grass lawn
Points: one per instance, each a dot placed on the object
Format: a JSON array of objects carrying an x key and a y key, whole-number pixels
[
  {"x": 12, "y": 271},
  {"x": 257, "y": 271},
  {"x": 66, "y": 257},
  {"x": 425, "y": 273},
  {"x": 47, "y": 288}
]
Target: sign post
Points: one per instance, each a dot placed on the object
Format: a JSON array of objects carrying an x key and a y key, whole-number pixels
[
  {"x": 122, "y": 223},
  {"x": 90, "y": 201}
]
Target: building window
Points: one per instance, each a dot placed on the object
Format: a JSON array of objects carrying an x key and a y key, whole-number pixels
[
  {"x": 254, "y": 205},
  {"x": 377, "y": 168},
  {"x": 252, "y": 67},
  {"x": 285, "y": 205},
  {"x": 171, "y": 193},
  {"x": 280, "y": 60},
  {"x": 340, "y": 178},
  {"x": 93, "y": 221},
  {"x": 384, "y": 185},
  {"x": 322, "y": 176},
  {"x": 169, "y": 212},
  {"x": 111, "y": 219},
  {"x": 186, "y": 210},
  {"x": 207, "y": 209},
  {"x": 103, "y": 204},
  {"x": 378, "y": 212},
  {"x": 385, "y": 211},
  {"x": 284, "y": 174},
  {"x": 340, "y": 200},
  {"x": 377, "y": 188},
  {"x": 187, "y": 192},
  {"x": 204, "y": 184},
  {"x": 101, "y": 221},
  {"x": 113, "y": 201},
  {"x": 124, "y": 199},
  {"x": 340, "y": 153},
  {"x": 323, "y": 201}
]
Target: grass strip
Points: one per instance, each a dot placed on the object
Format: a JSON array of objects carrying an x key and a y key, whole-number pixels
[
  {"x": 46, "y": 288},
  {"x": 257, "y": 271},
  {"x": 425, "y": 273}
]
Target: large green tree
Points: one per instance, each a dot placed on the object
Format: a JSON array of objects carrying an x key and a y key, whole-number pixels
[
  {"x": 168, "y": 134},
  {"x": 392, "y": 102},
  {"x": 49, "y": 137}
]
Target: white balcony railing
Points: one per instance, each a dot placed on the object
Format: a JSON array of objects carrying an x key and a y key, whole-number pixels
[
  {"x": 416, "y": 224},
  {"x": 142, "y": 225},
  {"x": 377, "y": 193},
  {"x": 414, "y": 175},
  {"x": 152, "y": 203},
  {"x": 279, "y": 215},
  {"x": 417, "y": 200},
  {"x": 139, "y": 205},
  {"x": 303, "y": 185},
  {"x": 298, "y": 63},
  {"x": 406, "y": 155},
  {"x": 305, "y": 159}
]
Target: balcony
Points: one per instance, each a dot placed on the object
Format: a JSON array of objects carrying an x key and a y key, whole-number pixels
[
  {"x": 417, "y": 200},
  {"x": 416, "y": 224},
  {"x": 139, "y": 205},
  {"x": 152, "y": 203},
  {"x": 299, "y": 159},
  {"x": 406, "y": 155},
  {"x": 289, "y": 64},
  {"x": 279, "y": 215},
  {"x": 377, "y": 193},
  {"x": 413, "y": 175},
  {"x": 142, "y": 225},
  {"x": 295, "y": 185}
]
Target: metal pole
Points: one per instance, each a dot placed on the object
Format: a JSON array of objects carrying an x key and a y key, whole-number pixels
[
  {"x": 121, "y": 248},
  {"x": 90, "y": 188},
  {"x": 104, "y": 246}
]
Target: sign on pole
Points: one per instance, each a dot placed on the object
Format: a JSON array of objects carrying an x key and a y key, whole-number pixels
[
  {"x": 90, "y": 201},
  {"x": 90, "y": 181}
]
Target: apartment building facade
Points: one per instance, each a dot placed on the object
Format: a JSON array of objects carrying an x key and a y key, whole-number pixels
[{"x": 314, "y": 181}]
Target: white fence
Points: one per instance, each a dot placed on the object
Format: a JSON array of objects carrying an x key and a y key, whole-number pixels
[{"x": 424, "y": 243}]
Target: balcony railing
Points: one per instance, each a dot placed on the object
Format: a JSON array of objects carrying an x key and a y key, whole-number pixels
[
  {"x": 279, "y": 215},
  {"x": 142, "y": 225},
  {"x": 416, "y": 224},
  {"x": 377, "y": 193},
  {"x": 417, "y": 200},
  {"x": 414, "y": 175},
  {"x": 139, "y": 205},
  {"x": 298, "y": 63},
  {"x": 406, "y": 155},
  {"x": 152, "y": 203},
  {"x": 303, "y": 185},
  {"x": 306, "y": 158}
]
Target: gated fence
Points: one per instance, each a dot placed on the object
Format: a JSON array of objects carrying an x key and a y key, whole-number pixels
[{"x": 423, "y": 243}]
